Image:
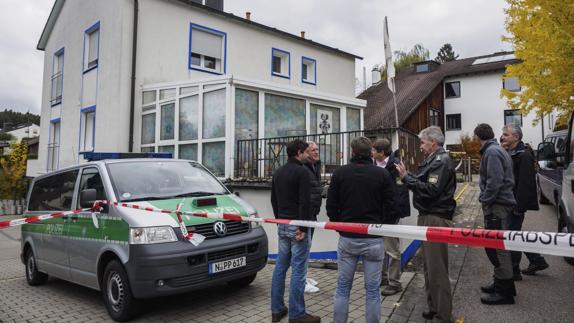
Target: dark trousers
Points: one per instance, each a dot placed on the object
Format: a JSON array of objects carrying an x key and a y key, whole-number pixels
[{"x": 534, "y": 258}]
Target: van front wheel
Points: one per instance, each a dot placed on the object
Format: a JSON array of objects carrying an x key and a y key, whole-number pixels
[
  {"x": 117, "y": 293},
  {"x": 33, "y": 276}
]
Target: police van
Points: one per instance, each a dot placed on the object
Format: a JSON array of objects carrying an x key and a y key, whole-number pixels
[{"x": 130, "y": 254}]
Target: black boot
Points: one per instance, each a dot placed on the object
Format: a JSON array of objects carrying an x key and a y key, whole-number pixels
[
  {"x": 489, "y": 289},
  {"x": 496, "y": 299}
]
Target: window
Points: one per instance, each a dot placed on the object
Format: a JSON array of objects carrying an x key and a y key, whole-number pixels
[
  {"x": 207, "y": 49},
  {"x": 53, "y": 193},
  {"x": 57, "y": 78},
  {"x": 91, "y": 47},
  {"x": 280, "y": 63},
  {"x": 167, "y": 121},
  {"x": 148, "y": 128},
  {"x": 53, "y": 145},
  {"x": 421, "y": 68},
  {"x": 188, "y": 117},
  {"x": 434, "y": 117},
  {"x": 309, "y": 70},
  {"x": 452, "y": 90},
  {"x": 511, "y": 84},
  {"x": 88, "y": 129},
  {"x": 453, "y": 122},
  {"x": 353, "y": 119},
  {"x": 512, "y": 116},
  {"x": 214, "y": 114},
  {"x": 91, "y": 179}
]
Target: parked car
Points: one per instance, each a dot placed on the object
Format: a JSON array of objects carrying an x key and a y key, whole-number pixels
[
  {"x": 549, "y": 174},
  {"x": 130, "y": 254},
  {"x": 557, "y": 156}
]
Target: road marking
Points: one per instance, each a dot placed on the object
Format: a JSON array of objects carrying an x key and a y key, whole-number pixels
[{"x": 461, "y": 192}]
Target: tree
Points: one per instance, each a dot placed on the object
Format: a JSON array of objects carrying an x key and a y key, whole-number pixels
[
  {"x": 542, "y": 36},
  {"x": 446, "y": 54},
  {"x": 4, "y": 136},
  {"x": 404, "y": 60},
  {"x": 12, "y": 181}
]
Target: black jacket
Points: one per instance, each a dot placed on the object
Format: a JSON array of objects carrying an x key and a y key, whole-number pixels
[
  {"x": 316, "y": 187},
  {"x": 402, "y": 203},
  {"x": 360, "y": 192},
  {"x": 290, "y": 192},
  {"x": 524, "y": 179},
  {"x": 434, "y": 186}
]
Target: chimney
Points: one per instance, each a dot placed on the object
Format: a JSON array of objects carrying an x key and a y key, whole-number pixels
[
  {"x": 376, "y": 75},
  {"x": 302, "y": 34},
  {"x": 248, "y": 15}
]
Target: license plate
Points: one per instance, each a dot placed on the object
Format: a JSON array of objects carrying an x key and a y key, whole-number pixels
[{"x": 216, "y": 267}]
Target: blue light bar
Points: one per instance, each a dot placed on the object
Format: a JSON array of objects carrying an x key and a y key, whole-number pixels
[{"x": 95, "y": 156}]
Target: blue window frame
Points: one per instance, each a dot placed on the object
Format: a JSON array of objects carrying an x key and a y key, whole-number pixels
[
  {"x": 91, "y": 47},
  {"x": 308, "y": 70},
  {"x": 280, "y": 63},
  {"x": 207, "y": 50},
  {"x": 87, "y": 138},
  {"x": 57, "y": 77}
]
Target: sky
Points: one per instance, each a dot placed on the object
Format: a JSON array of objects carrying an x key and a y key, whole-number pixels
[{"x": 473, "y": 27}]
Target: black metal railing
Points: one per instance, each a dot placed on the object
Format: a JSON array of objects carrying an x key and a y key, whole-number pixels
[{"x": 259, "y": 158}]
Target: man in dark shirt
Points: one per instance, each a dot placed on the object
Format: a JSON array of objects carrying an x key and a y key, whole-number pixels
[
  {"x": 290, "y": 199},
  {"x": 360, "y": 192},
  {"x": 313, "y": 166}
]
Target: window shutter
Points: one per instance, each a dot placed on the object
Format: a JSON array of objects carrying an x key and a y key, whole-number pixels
[{"x": 206, "y": 43}]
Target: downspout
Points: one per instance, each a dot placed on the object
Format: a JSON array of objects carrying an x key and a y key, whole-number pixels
[{"x": 133, "y": 78}]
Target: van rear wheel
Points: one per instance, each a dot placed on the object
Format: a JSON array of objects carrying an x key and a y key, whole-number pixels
[
  {"x": 33, "y": 276},
  {"x": 242, "y": 282},
  {"x": 117, "y": 293}
]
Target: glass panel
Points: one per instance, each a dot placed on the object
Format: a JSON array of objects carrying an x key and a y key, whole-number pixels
[
  {"x": 148, "y": 108},
  {"x": 214, "y": 114},
  {"x": 511, "y": 84},
  {"x": 284, "y": 116},
  {"x": 452, "y": 89},
  {"x": 91, "y": 179},
  {"x": 148, "y": 97},
  {"x": 147, "y": 149},
  {"x": 89, "y": 131},
  {"x": 212, "y": 86},
  {"x": 167, "y": 121},
  {"x": 167, "y": 149},
  {"x": 422, "y": 68},
  {"x": 246, "y": 114},
  {"x": 94, "y": 40},
  {"x": 276, "y": 64},
  {"x": 148, "y": 128},
  {"x": 188, "y": 90},
  {"x": 512, "y": 116},
  {"x": 188, "y": 152},
  {"x": 325, "y": 119},
  {"x": 53, "y": 193},
  {"x": 188, "y": 118},
  {"x": 166, "y": 94},
  {"x": 195, "y": 59},
  {"x": 353, "y": 119},
  {"x": 214, "y": 157}
]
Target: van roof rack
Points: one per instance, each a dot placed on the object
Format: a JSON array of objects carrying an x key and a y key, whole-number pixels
[{"x": 95, "y": 156}]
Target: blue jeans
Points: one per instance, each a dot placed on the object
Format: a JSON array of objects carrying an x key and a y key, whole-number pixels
[
  {"x": 372, "y": 252},
  {"x": 295, "y": 254}
]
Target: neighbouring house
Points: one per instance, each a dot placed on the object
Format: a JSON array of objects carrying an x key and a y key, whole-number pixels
[
  {"x": 185, "y": 78},
  {"x": 455, "y": 96},
  {"x": 29, "y": 130}
]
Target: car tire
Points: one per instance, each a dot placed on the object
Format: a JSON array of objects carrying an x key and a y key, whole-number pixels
[
  {"x": 565, "y": 228},
  {"x": 242, "y": 282},
  {"x": 117, "y": 293},
  {"x": 33, "y": 276}
]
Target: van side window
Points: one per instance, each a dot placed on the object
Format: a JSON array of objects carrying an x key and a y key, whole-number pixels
[
  {"x": 91, "y": 179},
  {"x": 54, "y": 193}
]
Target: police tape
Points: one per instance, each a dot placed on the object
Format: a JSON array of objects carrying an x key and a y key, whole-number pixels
[{"x": 549, "y": 243}]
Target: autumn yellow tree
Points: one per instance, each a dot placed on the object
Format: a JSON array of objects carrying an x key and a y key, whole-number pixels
[
  {"x": 542, "y": 36},
  {"x": 12, "y": 178}
]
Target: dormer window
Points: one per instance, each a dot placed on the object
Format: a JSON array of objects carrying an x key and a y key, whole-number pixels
[
  {"x": 207, "y": 49},
  {"x": 421, "y": 68},
  {"x": 280, "y": 63}
]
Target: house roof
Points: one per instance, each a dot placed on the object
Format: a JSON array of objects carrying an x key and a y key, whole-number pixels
[
  {"x": 57, "y": 8},
  {"x": 412, "y": 88},
  {"x": 24, "y": 125}
]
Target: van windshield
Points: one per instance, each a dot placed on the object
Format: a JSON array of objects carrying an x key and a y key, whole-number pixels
[{"x": 153, "y": 180}]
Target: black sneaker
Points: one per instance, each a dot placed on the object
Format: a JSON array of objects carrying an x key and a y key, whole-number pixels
[
  {"x": 276, "y": 317},
  {"x": 533, "y": 268}
]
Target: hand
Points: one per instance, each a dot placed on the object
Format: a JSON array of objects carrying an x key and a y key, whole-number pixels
[
  {"x": 401, "y": 169},
  {"x": 299, "y": 235}
]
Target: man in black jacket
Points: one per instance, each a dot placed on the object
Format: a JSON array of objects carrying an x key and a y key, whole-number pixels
[
  {"x": 290, "y": 199},
  {"x": 360, "y": 192},
  {"x": 524, "y": 193},
  {"x": 313, "y": 166},
  {"x": 383, "y": 157},
  {"x": 433, "y": 196},
  {"x": 497, "y": 199}
]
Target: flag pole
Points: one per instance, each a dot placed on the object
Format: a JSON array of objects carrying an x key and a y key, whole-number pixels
[{"x": 390, "y": 68}]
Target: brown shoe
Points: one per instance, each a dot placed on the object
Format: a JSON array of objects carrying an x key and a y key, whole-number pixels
[
  {"x": 307, "y": 318},
  {"x": 276, "y": 317}
]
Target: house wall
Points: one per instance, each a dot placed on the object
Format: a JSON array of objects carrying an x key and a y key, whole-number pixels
[
  {"x": 480, "y": 102},
  {"x": 420, "y": 119},
  {"x": 26, "y": 132}
]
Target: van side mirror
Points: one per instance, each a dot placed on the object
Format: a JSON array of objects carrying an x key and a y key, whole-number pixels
[
  {"x": 88, "y": 197},
  {"x": 546, "y": 152}
]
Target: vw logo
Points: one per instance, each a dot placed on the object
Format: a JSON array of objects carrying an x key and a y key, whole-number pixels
[{"x": 220, "y": 229}]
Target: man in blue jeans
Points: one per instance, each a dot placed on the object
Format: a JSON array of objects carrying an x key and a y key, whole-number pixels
[
  {"x": 360, "y": 192},
  {"x": 291, "y": 199}
]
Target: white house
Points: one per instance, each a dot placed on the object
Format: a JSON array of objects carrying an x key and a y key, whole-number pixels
[
  {"x": 181, "y": 77},
  {"x": 30, "y": 130}
]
